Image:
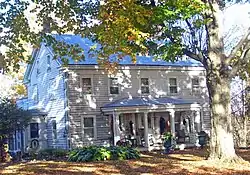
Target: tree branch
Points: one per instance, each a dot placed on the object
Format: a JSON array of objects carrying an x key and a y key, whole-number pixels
[{"x": 243, "y": 40}]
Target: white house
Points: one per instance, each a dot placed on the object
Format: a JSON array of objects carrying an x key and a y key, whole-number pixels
[{"x": 81, "y": 104}]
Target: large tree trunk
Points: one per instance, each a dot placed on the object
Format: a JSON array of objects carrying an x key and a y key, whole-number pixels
[
  {"x": 218, "y": 83},
  {"x": 221, "y": 143}
]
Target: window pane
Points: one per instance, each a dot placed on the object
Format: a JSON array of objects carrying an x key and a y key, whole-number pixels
[
  {"x": 86, "y": 81},
  {"x": 88, "y": 133},
  {"x": 113, "y": 81},
  {"x": 48, "y": 60},
  {"x": 195, "y": 81},
  {"x": 172, "y": 81},
  {"x": 144, "y": 82},
  {"x": 34, "y": 130},
  {"x": 88, "y": 122},
  {"x": 173, "y": 90},
  {"x": 114, "y": 90},
  {"x": 144, "y": 90},
  {"x": 87, "y": 90}
]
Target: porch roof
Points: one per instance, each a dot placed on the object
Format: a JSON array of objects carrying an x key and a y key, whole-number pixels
[
  {"x": 147, "y": 101},
  {"x": 37, "y": 112}
]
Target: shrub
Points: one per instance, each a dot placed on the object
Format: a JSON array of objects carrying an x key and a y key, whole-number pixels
[
  {"x": 52, "y": 154},
  {"x": 97, "y": 153}
]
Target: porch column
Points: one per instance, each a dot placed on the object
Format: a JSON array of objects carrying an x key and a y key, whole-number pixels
[
  {"x": 146, "y": 129},
  {"x": 116, "y": 127},
  {"x": 197, "y": 120},
  {"x": 172, "y": 122}
]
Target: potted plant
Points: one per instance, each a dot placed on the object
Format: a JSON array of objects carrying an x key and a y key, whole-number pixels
[{"x": 167, "y": 136}]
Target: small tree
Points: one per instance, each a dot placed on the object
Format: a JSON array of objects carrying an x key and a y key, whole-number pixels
[{"x": 12, "y": 118}]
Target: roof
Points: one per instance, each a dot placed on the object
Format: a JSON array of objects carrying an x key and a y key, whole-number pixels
[
  {"x": 147, "y": 101},
  {"x": 86, "y": 44},
  {"x": 30, "y": 106}
]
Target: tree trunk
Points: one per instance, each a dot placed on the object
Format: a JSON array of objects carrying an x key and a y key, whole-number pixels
[
  {"x": 221, "y": 143},
  {"x": 218, "y": 83}
]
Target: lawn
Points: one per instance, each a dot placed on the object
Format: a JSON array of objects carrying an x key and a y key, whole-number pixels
[{"x": 189, "y": 161}]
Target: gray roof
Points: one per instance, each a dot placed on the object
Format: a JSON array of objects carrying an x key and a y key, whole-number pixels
[
  {"x": 37, "y": 112},
  {"x": 146, "y": 101}
]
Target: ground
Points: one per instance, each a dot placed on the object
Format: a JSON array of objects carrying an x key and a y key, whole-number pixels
[{"x": 189, "y": 161}]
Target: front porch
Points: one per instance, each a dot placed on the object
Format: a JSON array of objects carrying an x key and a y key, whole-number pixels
[{"x": 143, "y": 125}]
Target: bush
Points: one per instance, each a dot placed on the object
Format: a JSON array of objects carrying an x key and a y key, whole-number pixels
[
  {"x": 97, "y": 153},
  {"x": 52, "y": 154}
]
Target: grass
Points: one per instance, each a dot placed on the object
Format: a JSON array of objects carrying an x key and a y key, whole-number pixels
[{"x": 189, "y": 161}]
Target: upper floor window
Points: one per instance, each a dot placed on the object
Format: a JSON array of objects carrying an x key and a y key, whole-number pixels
[
  {"x": 113, "y": 86},
  {"x": 144, "y": 86},
  {"x": 52, "y": 89},
  {"x": 48, "y": 63},
  {"x": 37, "y": 67},
  {"x": 88, "y": 126},
  {"x": 173, "y": 85},
  {"x": 195, "y": 86},
  {"x": 34, "y": 130},
  {"x": 87, "y": 85},
  {"x": 35, "y": 93}
]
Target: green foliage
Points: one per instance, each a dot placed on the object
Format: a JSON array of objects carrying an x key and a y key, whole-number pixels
[
  {"x": 11, "y": 117},
  {"x": 98, "y": 153},
  {"x": 167, "y": 136},
  {"x": 52, "y": 154}
]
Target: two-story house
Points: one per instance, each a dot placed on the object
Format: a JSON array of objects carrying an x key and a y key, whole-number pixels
[{"x": 81, "y": 104}]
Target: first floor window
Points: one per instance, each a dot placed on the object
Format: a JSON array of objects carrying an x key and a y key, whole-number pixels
[
  {"x": 113, "y": 86},
  {"x": 173, "y": 85},
  {"x": 144, "y": 86},
  {"x": 54, "y": 129},
  {"x": 34, "y": 130},
  {"x": 88, "y": 127}
]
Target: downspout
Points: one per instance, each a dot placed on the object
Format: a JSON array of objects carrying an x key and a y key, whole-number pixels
[{"x": 66, "y": 108}]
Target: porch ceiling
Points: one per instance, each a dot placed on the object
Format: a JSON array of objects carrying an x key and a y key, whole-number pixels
[{"x": 147, "y": 102}]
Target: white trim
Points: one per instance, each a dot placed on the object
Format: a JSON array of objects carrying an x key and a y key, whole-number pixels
[
  {"x": 94, "y": 126},
  {"x": 177, "y": 84}
]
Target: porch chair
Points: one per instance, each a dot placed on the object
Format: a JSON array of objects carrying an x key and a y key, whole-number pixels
[{"x": 182, "y": 137}]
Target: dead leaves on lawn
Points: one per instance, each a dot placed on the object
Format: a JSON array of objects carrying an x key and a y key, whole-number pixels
[{"x": 178, "y": 163}]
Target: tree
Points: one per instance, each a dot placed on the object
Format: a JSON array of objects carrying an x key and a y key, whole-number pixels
[
  {"x": 165, "y": 28},
  {"x": 12, "y": 119}
]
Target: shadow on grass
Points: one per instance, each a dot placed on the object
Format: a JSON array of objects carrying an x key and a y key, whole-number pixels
[{"x": 180, "y": 162}]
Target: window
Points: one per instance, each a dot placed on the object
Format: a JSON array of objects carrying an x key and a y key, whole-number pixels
[
  {"x": 86, "y": 85},
  {"x": 113, "y": 86},
  {"x": 34, "y": 130},
  {"x": 52, "y": 89},
  {"x": 173, "y": 85},
  {"x": 37, "y": 67},
  {"x": 35, "y": 93},
  {"x": 195, "y": 86},
  {"x": 144, "y": 86},
  {"x": 54, "y": 129},
  {"x": 88, "y": 127},
  {"x": 48, "y": 63}
]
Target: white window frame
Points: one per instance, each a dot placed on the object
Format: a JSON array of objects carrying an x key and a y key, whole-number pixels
[
  {"x": 92, "y": 87},
  {"x": 169, "y": 86},
  {"x": 145, "y": 86},
  {"x": 109, "y": 85},
  {"x": 94, "y": 127},
  {"x": 197, "y": 87}
]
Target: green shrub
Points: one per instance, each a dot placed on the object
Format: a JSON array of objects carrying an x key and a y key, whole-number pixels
[
  {"x": 52, "y": 154},
  {"x": 97, "y": 153}
]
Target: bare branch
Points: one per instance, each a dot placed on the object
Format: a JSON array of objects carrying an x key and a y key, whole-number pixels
[{"x": 243, "y": 40}]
